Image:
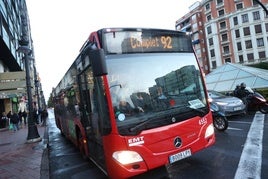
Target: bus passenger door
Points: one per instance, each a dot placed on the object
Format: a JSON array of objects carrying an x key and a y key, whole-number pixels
[{"x": 90, "y": 117}]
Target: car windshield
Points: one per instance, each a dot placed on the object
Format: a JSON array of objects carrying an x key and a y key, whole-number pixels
[
  {"x": 154, "y": 86},
  {"x": 215, "y": 94}
]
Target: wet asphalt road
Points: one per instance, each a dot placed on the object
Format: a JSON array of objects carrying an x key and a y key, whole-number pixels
[{"x": 219, "y": 161}]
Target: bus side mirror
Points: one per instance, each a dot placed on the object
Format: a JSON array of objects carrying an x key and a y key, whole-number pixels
[{"x": 97, "y": 61}]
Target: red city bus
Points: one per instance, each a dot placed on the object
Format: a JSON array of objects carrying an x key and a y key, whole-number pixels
[{"x": 134, "y": 100}]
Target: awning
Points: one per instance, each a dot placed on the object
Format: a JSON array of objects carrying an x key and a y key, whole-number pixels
[{"x": 12, "y": 84}]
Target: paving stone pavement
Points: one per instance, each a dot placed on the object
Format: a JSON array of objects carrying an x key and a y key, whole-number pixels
[{"x": 21, "y": 160}]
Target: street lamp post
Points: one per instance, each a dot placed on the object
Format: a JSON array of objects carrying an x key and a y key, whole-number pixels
[{"x": 33, "y": 135}]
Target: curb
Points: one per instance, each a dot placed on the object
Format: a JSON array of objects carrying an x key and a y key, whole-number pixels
[
  {"x": 4, "y": 129},
  {"x": 44, "y": 170}
]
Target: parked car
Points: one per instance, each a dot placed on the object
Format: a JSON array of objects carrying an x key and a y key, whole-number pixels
[{"x": 228, "y": 105}]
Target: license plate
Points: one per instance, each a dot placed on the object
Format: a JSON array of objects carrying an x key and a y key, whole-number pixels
[
  {"x": 179, "y": 156},
  {"x": 237, "y": 108}
]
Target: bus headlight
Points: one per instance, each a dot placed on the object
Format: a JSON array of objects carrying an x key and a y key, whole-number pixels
[
  {"x": 209, "y": 131},
  {"x": 126, "y": 157}
]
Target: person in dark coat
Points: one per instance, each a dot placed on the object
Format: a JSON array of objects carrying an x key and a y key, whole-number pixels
[
  {"x": 3, "y": 120},
  {"x": 35, "y": 115},
  {"x": 44, "y": 116},
  {"x": 20, "y": 117},
  {"x": 15, "y": 121},
  {"x": 24, "y": 115}
]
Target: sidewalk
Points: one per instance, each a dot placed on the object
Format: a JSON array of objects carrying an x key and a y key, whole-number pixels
[{"x": 20, "y": 160}]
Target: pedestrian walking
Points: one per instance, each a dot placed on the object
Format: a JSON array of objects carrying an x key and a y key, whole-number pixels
[
  {"x": 24, "y": 115},
  {"x": 8, "y": 118},
  {"x": 22, "y": 111},
  {"x": 20, "y": 118},
  {"x": 35, "y": 115},
  {"x": 39, "y": 115},
  {"x": 44, "y": 116},
  {"x": 3, "y": 120},
  {"x": 9, "y": 115},
  {"x": 15, "y": 121}
]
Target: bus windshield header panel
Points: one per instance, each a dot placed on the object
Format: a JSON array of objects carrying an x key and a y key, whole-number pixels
[{"x": 145, "y": 41}]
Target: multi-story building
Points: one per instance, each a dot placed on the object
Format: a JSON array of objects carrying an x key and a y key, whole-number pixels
[
  {"x": 192, "y": 23},
  {"x": 234, "y": 31},
  {"x": 15, "y": 33}
]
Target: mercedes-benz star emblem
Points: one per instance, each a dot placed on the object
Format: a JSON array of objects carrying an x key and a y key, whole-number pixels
[{"x": 177, "y": 142}]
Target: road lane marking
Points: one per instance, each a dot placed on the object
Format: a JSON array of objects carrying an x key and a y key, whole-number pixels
[
  {"x": 241, "y": 122},
  {"x": 236, "y": 129},
  {"x": 251, "y": 158}
]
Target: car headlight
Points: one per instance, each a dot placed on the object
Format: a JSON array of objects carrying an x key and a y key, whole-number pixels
[
  {"x": 221, "y": 103},
  {"x": 126, "y": 157},
  {"x": 209, "y": 131},
  {"x": 240, "y": 102}
]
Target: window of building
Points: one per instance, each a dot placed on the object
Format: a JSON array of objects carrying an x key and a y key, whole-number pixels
[
  {"x": 239, "y": 46},
  {"x": 260, "y": 42},
  {"x": 221, "y": 12},
  {"x": 239, "y": 6},
  {"x": 227, "y": 60},
  {"x": 210, "y": 41},
  {"x": 250, "y": 57},
  {"x": 209, "y": 30},
  {"x": 194, "y": 18},
  {"x": 237, "y": 33},
  {"x": 194, "y": 27},
  {"x": 214, "y": 64},
  {"x": 262, "y": 55},
  {"x": 258, "y": 29},
  {"x": 198, "y": 52},
  {"x": 207, "y": 6},
  {"x": 244, "y": 18},
  {"x": 195, "y": 36},
  {"x": 235, "y": 19},
  {"x": 248, "y": 44},
  {"x": 254, "y": 3},
  {"x": 219, "y": 2},
  {"x": 241, "y": 59},
  {"x": 246, "y": 31},
  {"x": 266, "y": 27},
  {"x": 224, "y": 37},
  {"x": 212, "y": 53},
  {"x": 226, "y": 49},
  {"x": 223, "y": 25},
  {"x": 256, "y": 15},
  {"x": 265, "y": 14},
  {"x": 208, "y": 17}
]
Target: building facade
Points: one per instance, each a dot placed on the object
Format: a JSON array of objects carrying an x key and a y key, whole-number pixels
[
  {"x": 234, "y": 31},
  {"x": 192, "y": 23},
  {"x": 15, "y": 32}
]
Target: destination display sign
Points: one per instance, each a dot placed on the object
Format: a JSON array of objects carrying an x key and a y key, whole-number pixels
[{"x": 145, "y": 41}]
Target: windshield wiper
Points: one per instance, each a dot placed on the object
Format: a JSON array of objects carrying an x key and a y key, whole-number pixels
[
  {"x": 141, "y": 125},
  {"x": 167, "y": 115},
  {"x": 201, "y": 111},
  {"x": 135, "y": 128}
]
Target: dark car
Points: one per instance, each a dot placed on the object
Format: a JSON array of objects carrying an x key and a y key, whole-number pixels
[{"x": 228, "y": 105}]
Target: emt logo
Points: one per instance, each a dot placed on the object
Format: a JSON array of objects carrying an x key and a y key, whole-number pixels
[{"x": 136, "y": 141}]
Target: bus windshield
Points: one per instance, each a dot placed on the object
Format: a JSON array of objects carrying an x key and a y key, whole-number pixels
[{"x": 150, "y": 90}]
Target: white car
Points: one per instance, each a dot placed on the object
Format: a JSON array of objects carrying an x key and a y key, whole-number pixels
[{"x": 228, "y": 105}]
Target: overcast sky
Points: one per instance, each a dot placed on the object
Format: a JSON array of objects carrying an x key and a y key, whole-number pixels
[{"x": 60, "y": 27}]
